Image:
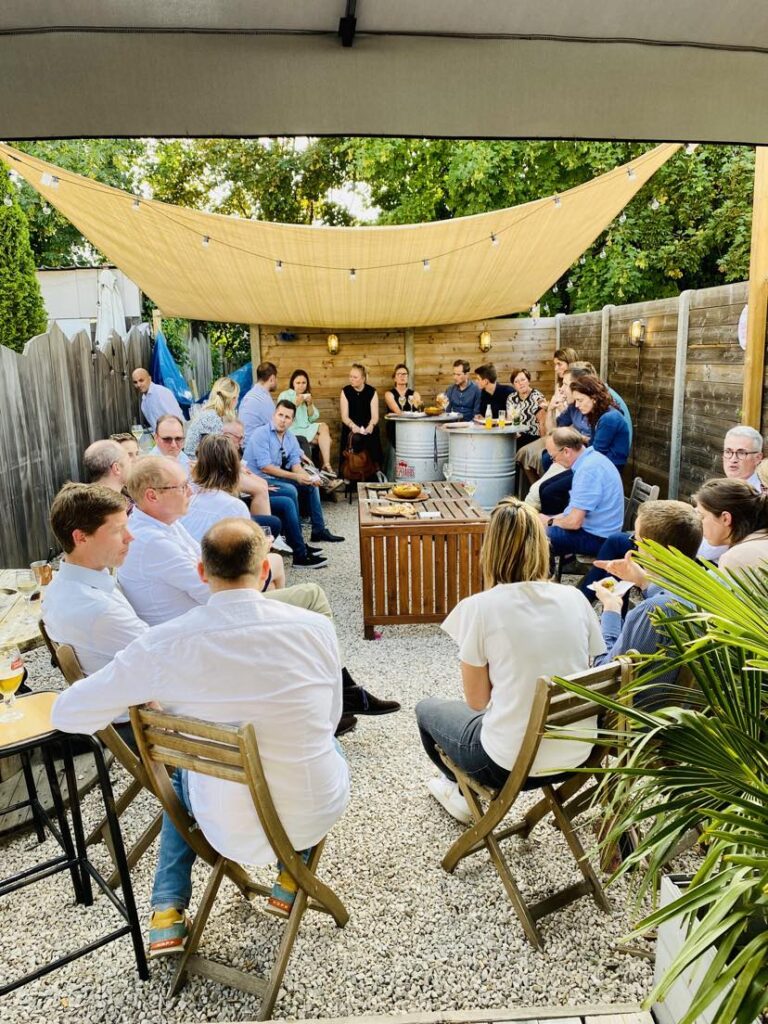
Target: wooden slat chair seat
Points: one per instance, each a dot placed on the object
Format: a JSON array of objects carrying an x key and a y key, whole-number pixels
[
  {"x": 640, "y": 493},
  {"x": 64, "y": 657},
  {"x": 226, "y": 752},
  {"x": 553, "y": 708}
]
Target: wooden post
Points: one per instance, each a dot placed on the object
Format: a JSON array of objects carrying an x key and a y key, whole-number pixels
[
  {"x": 754, "y": 361},
  {"x": 254, "y": 334},
  {"x": 605, "y": 335},
  {"x": 409, "y": 356},
  {"x": 559, "y": 318},
  {"x": 157, "y": 322},
  {"x": 678, "y": 394}
]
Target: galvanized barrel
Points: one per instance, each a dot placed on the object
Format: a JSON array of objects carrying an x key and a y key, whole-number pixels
[
  {"x": 421, "y": 449},
  {"x": 488, "y": 458}
]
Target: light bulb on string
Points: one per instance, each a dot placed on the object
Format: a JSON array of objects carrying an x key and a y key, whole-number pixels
[
  {"x": 8, "y": 201},
  {"x": 278, "y": 266},
  {"x": 494, "y": 240},
  {"x": 206, "y": 241},
  {"x": 623, "y": 218},
  {"x": 558, "y": 202},
  {"x": 353, "y": 274},
  {"x": 425, "y": 264},
  {"x": 654, "y": 203},
  {"x": 135, "y": 205},
  {"x": 631, "y": 173},
  {"x": 49, "y": 179}
]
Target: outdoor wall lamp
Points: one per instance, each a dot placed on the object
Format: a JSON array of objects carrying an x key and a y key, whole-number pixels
[
  {"x": 637, "y": 333},
  {"x": 485, "y": 341},
  {"x": 333, "y": 344}
]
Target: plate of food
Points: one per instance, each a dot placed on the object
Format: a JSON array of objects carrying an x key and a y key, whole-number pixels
[
  {"x": 618, "y": 587},
  {"x": 394, "y": 511},
  {"x": 407, "y": 492}
]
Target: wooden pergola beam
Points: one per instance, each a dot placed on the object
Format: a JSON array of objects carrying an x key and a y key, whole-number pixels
[{"x": 754, "y": 361}]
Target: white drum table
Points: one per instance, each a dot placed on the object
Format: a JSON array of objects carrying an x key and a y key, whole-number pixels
[
  {"x": 421, "y": 449},
  {"x": 485, "y": 456}
]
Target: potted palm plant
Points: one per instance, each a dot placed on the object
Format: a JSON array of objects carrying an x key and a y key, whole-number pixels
[{"x": 700, "y": 764}]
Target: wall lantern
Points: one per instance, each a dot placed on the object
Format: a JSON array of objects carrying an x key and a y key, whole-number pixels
[
  {"x": 333, "y": 344},
  {"x": 637, "y": 333},
  {"x": 485, "y": 341}
]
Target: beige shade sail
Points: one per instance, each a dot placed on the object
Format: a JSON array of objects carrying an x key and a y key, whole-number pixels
[
  {"x": 205, "y": 266},
  {"x": 690, "y": 70}
]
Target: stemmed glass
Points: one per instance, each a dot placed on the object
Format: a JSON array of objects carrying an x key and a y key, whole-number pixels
[
  {"x": 470, "y": 486},
  {"x": 138, "y": 431},
  {"x": 11, "y": 674},
  {"x": 447, "y": 471},
  {"x": 401, "y": 402},
  {"x": 26, "y": 584},
  {"x": 267, "y": 531}
]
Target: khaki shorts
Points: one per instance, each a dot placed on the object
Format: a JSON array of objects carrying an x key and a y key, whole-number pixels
[{"x": 529, "y": 455}]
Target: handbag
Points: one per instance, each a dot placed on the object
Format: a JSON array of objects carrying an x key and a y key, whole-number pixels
[{"x": 356, "y": 466}]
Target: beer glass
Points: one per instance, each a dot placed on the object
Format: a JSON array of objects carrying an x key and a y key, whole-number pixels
[{"x": 11, "y": 674}]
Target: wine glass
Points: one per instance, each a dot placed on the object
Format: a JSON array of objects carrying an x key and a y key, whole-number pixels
[
  {"x": 470, "y": 486},
  {"x": 138, "y": 431},
  {"x": 26, "y": 584},
  {"x": 11, "y": 674},
  {"x": 447, "y": 471},
  {"x": 401, "y": 402},
  {"x": 267, "y": 531}
]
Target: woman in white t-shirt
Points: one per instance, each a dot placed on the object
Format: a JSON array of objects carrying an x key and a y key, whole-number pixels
[
  {"x": 520, "y": 627},
  {"x": 216, "y": 480}
]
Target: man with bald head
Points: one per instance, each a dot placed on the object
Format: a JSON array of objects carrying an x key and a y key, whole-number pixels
[
  {"x": 155, "y": 399},
  {"x": 274, "y": 666},
  {"x": 106, "y": 463}
]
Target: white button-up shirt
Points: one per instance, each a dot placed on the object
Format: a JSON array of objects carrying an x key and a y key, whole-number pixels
[
  {"x": 159, "y": 401},
  {"x": 159, "y": 574},
  {"x": 84, "y": 608},
  {"x": 183, "y": 459},
  {"x": 240, "y": 659},
  {"x": 208, "y": 507}
]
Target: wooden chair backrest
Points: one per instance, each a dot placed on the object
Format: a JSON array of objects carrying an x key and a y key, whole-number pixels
[
  {"x": 640, "y": 493},
  {"x": 64, "y": 656},
  {"x": 554, "y": 706},
  {"x": 222, "y": 752}
]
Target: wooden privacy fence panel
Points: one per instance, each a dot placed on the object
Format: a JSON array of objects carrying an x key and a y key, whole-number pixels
[
  {"x": 57, "y": 397},
  {"x": 200, "y": 372}
]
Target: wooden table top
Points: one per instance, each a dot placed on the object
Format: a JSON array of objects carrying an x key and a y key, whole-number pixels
[
  {"x": 18, "y": 622},
  {"x": 448, "y": 499},
  {"x": 36, "y": 708}
]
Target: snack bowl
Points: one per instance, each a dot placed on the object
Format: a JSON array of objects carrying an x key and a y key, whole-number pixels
[
  {"x": 406, "y": 490},
  {"x": 433, "y": 410}
]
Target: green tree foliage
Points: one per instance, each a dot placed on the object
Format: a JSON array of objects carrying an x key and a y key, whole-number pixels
[{"x": 22, "y": 313}]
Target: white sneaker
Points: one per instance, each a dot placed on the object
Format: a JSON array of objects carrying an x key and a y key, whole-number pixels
[
  {"x": 448, "y": 794},
  {"x": 279, "y": 545}
]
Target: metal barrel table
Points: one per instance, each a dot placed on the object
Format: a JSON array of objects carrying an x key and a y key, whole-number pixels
[
  {"x": 421, "y": 448},
  {"x": 485, "y": 456}
]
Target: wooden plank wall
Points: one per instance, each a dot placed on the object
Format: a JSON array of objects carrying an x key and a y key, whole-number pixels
[
  {"x": 515, "y": 343},
  {"x": 57, "y": 397},
  {"x": 645, "y": 379}
]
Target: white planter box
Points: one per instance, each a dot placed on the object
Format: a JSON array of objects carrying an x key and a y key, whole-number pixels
[{"x": 671, "y": 935}]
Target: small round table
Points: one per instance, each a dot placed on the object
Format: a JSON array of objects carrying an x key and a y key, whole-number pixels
[
  {"x": 485, "y": 456},
  {"x": 421, "y": 449}
]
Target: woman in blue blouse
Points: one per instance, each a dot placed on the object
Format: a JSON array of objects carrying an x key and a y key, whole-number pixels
[{"x": 610, "y": 431}]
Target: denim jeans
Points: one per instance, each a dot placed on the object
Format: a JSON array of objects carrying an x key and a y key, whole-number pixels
[
  {"x": 573, "y": 542},
  {"x": 173, "y": 874},
  {"x": 273, "y": 522},
  {"x": 286, "y": 508},
  {"x": 310, "y": 495},
  {"x": 455, "y": 728}
]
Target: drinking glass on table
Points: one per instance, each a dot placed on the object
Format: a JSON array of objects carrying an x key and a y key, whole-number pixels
[
  {"x": 26, "y": 584},
  {"x": 138, "y": 431},
  {"x": 470, "y": 486},
  {"x": 401, "y": 402},
  {"x": 448, "y": 471},
  {"x": 267, "y": 531},
  {"x": 11, "y": 674},
  {"x": 43, "y": 572}
]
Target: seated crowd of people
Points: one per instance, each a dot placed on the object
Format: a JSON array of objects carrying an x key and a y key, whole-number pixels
[{"x": 169, "y": 589}]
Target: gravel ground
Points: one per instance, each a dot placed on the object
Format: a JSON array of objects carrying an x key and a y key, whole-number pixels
[{"x": 418, "y": 939}]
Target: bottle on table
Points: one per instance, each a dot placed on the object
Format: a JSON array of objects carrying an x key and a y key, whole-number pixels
[{"x": 488, "y": 417}]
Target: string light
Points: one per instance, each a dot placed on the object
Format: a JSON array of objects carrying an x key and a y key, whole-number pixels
[
  {"x": 622, "y": 218},
  {"x": 49, "y": 179},
  {"x": 135, "y": 205},
  {"x": 7, "y": 201},
  {"x": 494, "y": 240},
  {"x": 206, "y": 241},
  {"x": 425, "y": 264},
  {"x": 654, "y": 203},
  {"x": 353, "y": 274},
  {"x": 558, "y": 202},
  {"x": 278, "y": 266},
  {"x": 691, "y": 148},
  {"x": 631, "y": 173}
]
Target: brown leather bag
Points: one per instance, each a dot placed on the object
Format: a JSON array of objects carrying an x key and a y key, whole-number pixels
[{"x": 356, "y": 466}]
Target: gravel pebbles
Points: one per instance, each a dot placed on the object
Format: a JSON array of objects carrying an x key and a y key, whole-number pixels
[{"x": 418, "y": 939}]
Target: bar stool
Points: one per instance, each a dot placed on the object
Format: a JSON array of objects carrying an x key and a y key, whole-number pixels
[{"x": 34, "y": 731}]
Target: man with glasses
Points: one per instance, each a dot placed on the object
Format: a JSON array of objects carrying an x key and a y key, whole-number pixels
[
  {"x": 156, "y": 400},
  {"x": 742, "y": 454},
  {"x": 274, "y": 454},
  {"x": 169, "y": 441}
]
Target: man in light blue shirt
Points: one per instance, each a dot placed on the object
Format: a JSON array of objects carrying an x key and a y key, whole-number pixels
[
  {"x": 258, "y": 407},
  {"x": 596, "y": 505},
  {"x": 274, "y": 454},
  {"x": 156, "y": 400}
]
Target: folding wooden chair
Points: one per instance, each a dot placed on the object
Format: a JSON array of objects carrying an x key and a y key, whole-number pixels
[
  {"x": 564, "y": 798},
  {"x": 227, "y": 752},
  {"x": 64, "y": 657}
]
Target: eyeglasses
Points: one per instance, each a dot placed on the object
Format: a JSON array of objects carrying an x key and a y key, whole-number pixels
[
  {"x": 174, "y": 487},
  {"x": 739, "y": 453},
  {"x": 168, "y": 440}
]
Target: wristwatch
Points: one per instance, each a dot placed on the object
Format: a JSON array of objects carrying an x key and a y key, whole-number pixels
[{"x": 551, "y": 521}]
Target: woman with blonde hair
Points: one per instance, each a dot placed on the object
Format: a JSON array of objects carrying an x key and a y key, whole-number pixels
[
  {"x": 220, "y": 407},
  {"x": 520, "y": 627}
]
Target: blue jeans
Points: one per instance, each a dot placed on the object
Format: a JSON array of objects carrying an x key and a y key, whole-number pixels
[
  {"x": 573, "y": 542},
  {"x": 286, "y": 508},
  {"x": 173, "y": 874},
  {"x": 305, "y": 494},
  {"x": 273, "y": 522},
  {"x": 455, "y": 728}
]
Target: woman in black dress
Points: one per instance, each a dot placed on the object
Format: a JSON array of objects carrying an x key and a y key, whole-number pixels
[{"x": 360, "y": 415}]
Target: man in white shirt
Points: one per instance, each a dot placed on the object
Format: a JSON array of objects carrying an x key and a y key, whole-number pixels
[
  {"x": 155, "y": 399},
  {"x": 106, "y": 463},
  {"x": 293, "y": 700},
  {"x": 159, "y": 575},
  {"x": 169, "y": 441}
]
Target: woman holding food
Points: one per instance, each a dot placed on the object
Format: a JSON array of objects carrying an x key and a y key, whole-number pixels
[{"x": 520, "y": 627}]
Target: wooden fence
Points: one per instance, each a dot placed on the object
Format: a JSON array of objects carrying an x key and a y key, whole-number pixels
[{"x": 56, "y": 398}]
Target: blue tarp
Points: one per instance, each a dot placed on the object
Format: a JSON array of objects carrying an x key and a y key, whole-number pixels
[
  {"x": 164, "y": 370},
  {"x": 244, "y": 377}
]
